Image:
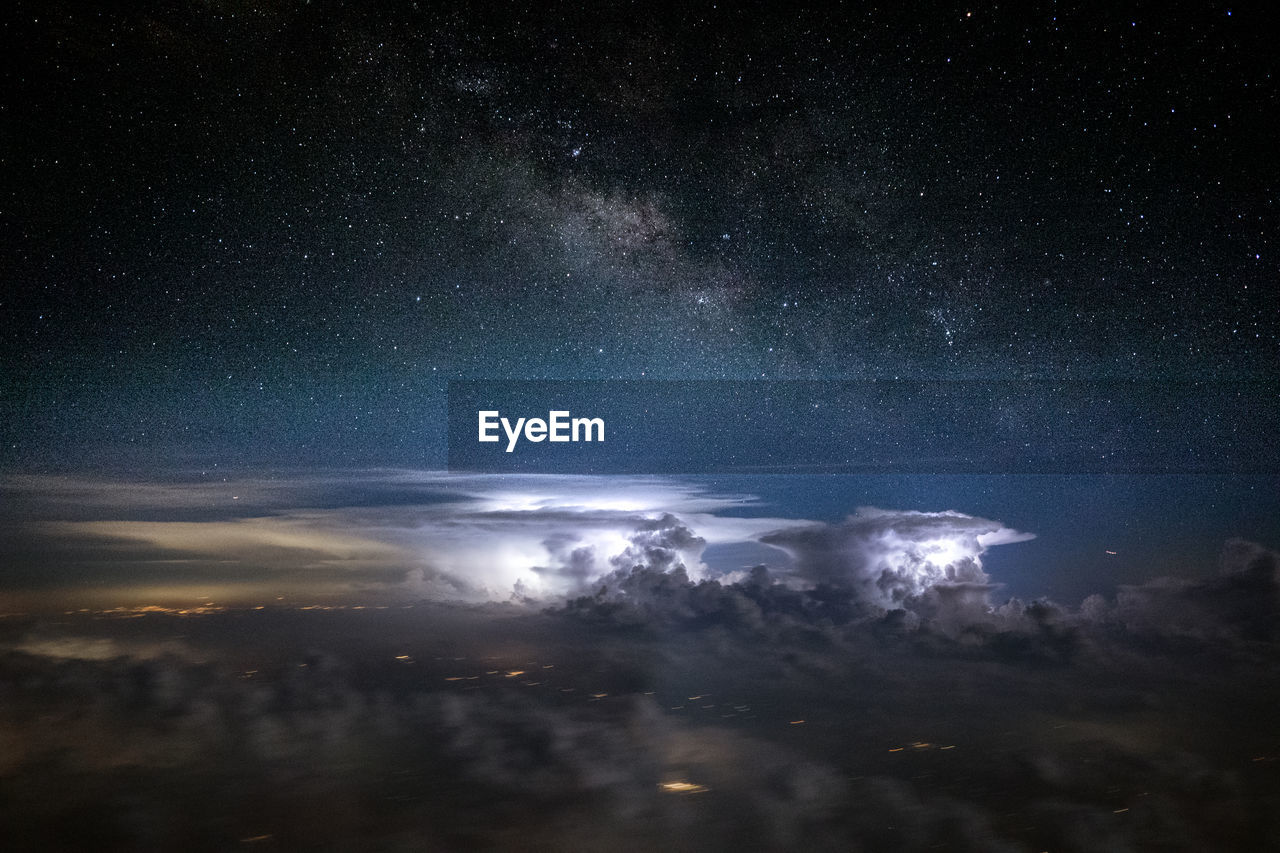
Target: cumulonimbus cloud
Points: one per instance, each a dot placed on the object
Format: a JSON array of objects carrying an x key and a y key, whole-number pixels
[
  {"x": 391, "y": 534},
  {"x": 887, "y": 557}
]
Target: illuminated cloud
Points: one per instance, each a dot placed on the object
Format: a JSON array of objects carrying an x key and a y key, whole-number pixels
[
  {"x": 888, "y": 557},
  {"x": 409, "y": 535},
  {"x": 399, "y": 534}
]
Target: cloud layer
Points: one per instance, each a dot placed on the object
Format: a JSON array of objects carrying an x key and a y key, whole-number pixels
[
  {"x": 407, "y": 535},
  {"x": 661, "y": 711},
  {"x": 551, "y": 663}
]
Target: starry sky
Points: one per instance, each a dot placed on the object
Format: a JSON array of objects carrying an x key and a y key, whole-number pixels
[
  {"x": 248, "y": 237},
  {"x": 252, "y": 230}
]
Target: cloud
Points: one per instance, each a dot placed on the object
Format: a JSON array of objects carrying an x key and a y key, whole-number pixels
[
  {"x": 661, "y": 544},
  {"x": 387, "y": 533},
  {"x": 750, "y": 714},
  {"x": 1240, "y": 604},
  {"x": 888, "y": 557}
]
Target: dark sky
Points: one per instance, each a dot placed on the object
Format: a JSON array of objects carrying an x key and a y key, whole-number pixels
[{"x": 252, "y": 231}]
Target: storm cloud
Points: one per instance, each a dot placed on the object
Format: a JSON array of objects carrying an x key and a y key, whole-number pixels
[
  {"x": 888, "y": 557},
  {"x": 388, "y": 535}
]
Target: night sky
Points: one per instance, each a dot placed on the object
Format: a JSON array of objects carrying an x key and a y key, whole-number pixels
[
  {"x": 249, "y": 231},
  {"x": 1010, "y": 269}
]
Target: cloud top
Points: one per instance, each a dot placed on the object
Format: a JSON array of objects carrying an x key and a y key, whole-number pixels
[{"x": 888, "y": 557}]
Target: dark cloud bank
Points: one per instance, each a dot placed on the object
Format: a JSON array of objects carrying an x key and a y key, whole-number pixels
[{"x": 830, "y": 709}]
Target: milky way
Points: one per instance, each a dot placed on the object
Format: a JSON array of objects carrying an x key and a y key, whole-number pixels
[{"x": 251, "y": 234}]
